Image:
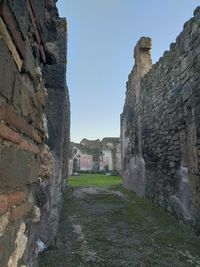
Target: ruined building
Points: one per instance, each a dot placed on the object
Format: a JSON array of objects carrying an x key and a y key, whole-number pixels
[
  {"x": 160, "y": 125},
  {"x": 34, "y": 128},
  {"x": 96, "y": 156}
]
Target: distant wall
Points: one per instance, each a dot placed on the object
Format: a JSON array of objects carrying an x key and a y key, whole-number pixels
[
  {"x": 86, "y": 162},
  {"x": 96, "y": 155},
  {"x": 107, "y": 160},
  {"x": 160, "y": 125},
  {"x": 34, "y": 127}
]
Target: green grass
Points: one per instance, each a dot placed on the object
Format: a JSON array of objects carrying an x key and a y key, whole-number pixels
[
  {"x": 127, "y": 228},
  {"x": 99, "y": 180}
]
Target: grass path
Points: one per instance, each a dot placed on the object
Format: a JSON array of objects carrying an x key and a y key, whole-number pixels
[
  {"x": 104, "y": 225},
  {"x": 93, "y": 180}
]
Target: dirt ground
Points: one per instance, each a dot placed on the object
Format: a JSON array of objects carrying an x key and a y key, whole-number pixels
[{"x": 114, "y": 228}]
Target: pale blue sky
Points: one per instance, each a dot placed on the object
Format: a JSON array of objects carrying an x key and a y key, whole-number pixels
[{"x": 102, "y": 35}]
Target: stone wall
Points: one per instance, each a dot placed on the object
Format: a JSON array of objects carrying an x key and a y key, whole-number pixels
[
  {"x": 34, "y": 127},
  {"x": 160, "y": 125},
  {"x": 96, "y": 155}
]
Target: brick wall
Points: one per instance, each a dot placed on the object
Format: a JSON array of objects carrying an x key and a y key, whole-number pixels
[
  {"x": 160, "y": 125},
  {"x": 34, "y": 127}
]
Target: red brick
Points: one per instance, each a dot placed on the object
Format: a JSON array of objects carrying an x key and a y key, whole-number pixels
[
  {"x": 10, "y": 117},
  {"x": 13, "y": 119},
  {"x": 16, "y": 198},
  {"x": 10, "y": 22},
  {"x": 8, "y": 201},
  {"x": 28, "y": 146},
  {"x": 17, "y": 167},
  {"x": 33, "y": 20},
  {"x": 42, "y": 53},
  {"x": 21, "y": 211},
  {"x": 8, "y": 134},
  {"x": 36, "y": 137},
  {"x": 36, "y": 19}
]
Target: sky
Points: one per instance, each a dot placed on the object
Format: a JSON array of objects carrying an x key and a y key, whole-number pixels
[{"x": 101, "y": 39}]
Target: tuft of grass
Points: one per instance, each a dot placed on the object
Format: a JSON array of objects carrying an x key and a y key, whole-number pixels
[{"x": 92, "y": 180}]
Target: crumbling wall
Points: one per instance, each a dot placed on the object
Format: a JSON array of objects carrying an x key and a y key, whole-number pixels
[
  {"x": 160, "y": 125},
  {"x": 33, "y": 58}
]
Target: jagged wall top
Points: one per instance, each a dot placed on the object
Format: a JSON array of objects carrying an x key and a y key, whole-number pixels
[{"x": 142, "y": 55}]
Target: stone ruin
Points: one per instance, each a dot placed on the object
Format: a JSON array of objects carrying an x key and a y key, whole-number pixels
[
  {"x": 160, "y": 128},
  {"x": 34, "y": 128},
  {"x": 160, "y": 125},
  {"x": 96, "y": 156}
]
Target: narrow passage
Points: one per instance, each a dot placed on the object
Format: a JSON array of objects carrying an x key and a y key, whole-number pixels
[{"x": 102, "y": 224}]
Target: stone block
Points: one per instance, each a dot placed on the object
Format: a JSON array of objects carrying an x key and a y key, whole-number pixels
[
  {"x": 25, "y": 102},
  {"x": 7, "y": 71},
  {"x": 6, "y": 13},
  {"x": 21, "y": 211},
  {"x": 17, "y": 167},
  {"x": 55, "y": 76},
  {"x": 8, "y": 134},
  {"x": 29, "y": 103},
  {"x": 29, "y": 147},
  {"x": 36, "y": 27},
  {"x": 3, "y": 205},
  {"x": 61, "y": 40},
  {"x": 30, "y": 60},
  {"x": 10, "y": 117},
  {"x": 19, "y": 9},
  {"x": 55, "y": 117},
  {"x": 9, "y": 43},
  {"x": 33, "y": 20},
  {"x": 16, "y": 198},
  {"x": 17, "y": 88},
  {"x": 4, "y": 220}
]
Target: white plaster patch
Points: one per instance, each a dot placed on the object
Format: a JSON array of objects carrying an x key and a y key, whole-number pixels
[
  {"x": 40, "y": 246},
  {"x": 79, "y": 231},
  {"x": 44, "y": 120},
  {"x": 36, "y": 214},
  {"x": 87, "y": 255},
  {"x": 184, "y": 174},
  {"x": 3, "y": 223},
  {"x": 20, "y": 243}
]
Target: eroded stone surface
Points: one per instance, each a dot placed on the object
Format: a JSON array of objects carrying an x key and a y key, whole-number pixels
[
  {"x": 4, "y": 220},
  {"x": 82, "y": 192},
  {"x": 111, "y": 227},
  {"x": 34, "y": 127},
  {"x": 160, "y": 125},
  {"x": 20, "y": 243}
]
